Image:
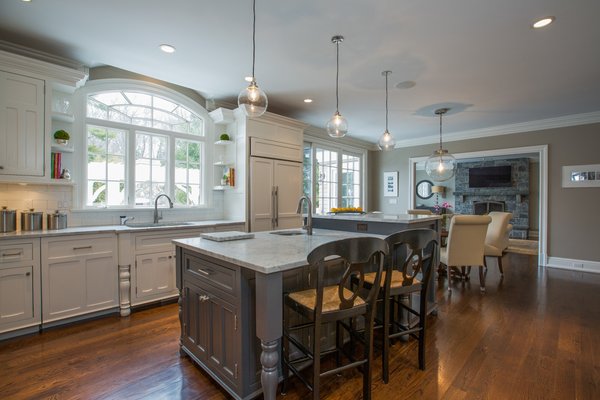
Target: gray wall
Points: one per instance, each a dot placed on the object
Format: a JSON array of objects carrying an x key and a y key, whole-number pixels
[{"x": 573, "y": 217}]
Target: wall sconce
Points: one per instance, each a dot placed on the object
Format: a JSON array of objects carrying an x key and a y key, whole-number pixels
[{"x": 439, "y": 190}]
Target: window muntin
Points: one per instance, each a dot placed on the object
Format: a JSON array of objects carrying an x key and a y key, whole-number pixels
[
  {"x": 167, "y": 157},
  {"x": 141, "y": 109},
  {"x": 350, "y": 180},
  {"x": 326, "y": 164},
  {"x": 106, "y": 166},
  {"x": 188, "y": 177}
]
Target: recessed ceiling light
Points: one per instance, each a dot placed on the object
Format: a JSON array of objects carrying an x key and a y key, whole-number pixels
[
  {"x": 248, "y": 79},
  {"x": 543, "y": 22},
  {"x": 308, "y": 100},
  {"x": 406, "y": 84},
  {"x": 167, "y": 48},
  {"x": 26, "y": 1}
]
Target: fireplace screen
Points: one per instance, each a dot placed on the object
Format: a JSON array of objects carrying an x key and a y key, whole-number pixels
[{"x": 484, "y": 207}]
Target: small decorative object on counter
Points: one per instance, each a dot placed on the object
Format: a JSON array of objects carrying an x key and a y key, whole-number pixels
[
  {"x": 224, "y": 136},
  {"x": 31, "y": 220},
  {"x": 347, "y": 210},
  {"x": 56, "y": 220},
  {"x": 61, "y": 137},
  {"x": 65, "y": 174},
  {"x": 8, "y": 220}
]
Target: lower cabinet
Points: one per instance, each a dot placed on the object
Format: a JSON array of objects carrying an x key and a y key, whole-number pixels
[
  {"x": 217, "y": 318},
  {"x": 154, "y": 275},
  {"x": 20, "y": 305},
  {"x": 80, "y": 275}
]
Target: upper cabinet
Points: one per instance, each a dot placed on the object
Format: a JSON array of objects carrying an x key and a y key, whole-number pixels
[
  {"x": 21, "y": 125},
  {"x": 27, "y": 85}
]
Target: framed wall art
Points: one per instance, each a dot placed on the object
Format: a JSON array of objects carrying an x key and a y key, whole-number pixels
[
  {"x": 390, "y": 184},
  {"x": 579, "y": 176}
]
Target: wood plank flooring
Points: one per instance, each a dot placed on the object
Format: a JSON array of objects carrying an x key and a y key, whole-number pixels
[{"x": 535, "y": 334}]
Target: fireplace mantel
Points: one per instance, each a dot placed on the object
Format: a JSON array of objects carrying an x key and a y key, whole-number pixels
[{"x": 519, "y": 194}]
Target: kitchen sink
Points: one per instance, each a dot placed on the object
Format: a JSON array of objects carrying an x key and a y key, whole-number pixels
[
  {"x": 288, "y": 233},
  {"x": 155, "y": 224}
]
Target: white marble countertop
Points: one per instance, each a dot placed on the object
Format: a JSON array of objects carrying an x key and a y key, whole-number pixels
[
  {"x": 380, "y": 217},
  {"x": 80, "y": 230},
  {"x": 267, "y": 252}
]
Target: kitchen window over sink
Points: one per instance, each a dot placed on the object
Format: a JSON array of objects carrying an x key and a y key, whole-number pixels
[{"x": 141, "y": 144}]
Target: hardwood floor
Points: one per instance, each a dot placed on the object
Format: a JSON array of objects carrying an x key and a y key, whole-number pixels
[{"x": 533, "y": 335}]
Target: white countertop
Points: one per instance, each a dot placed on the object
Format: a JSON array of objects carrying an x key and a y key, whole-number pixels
[
  {"x": 79, "y": 230},
  {"x": 267, "y": 252},
  {"x": 380, "y": 217}
]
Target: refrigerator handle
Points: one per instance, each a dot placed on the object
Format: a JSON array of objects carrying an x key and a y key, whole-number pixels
[
  {"x": 277, "y": 206},
  {"x": 273, "y": 200}
]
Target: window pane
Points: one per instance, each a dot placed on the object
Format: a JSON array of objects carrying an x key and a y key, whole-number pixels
[
  {"x": 159, "y": 171},
  {"x": 180, "y": 150},
  {"x": 96, "y": 109},
  {"x": 96, "y": 139},
  {"x": 110, "y": 98},
  {"x": 327, "y": 179},
  {"x": 159, "y": 147},
  {"x": 194, "y": 152},
  {"x": 142, "y": 170},
  {"x": 116, "y": 168},
  {"x": 164, "y": 104},
  {"x": 117, "y": 143},
  {"x": 139, "y": 98},
  {"x": 116, "y": 193},
  {"x": 142, "y": 146},
  {"x": 307, "y": 170},
  {"x": 142, "y": 194},
  {"x": 96, "y": 193}
]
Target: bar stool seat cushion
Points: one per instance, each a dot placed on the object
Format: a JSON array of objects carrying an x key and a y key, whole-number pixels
[
  {"x": 331, "y": 298},
  {"x": 397, "y": 279}
]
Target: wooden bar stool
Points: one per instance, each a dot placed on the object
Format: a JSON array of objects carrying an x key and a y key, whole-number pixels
[{"x": 334, "y": 300}]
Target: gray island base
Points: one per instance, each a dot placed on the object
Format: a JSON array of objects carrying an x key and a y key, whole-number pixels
[{"x": 230, "y": 304}]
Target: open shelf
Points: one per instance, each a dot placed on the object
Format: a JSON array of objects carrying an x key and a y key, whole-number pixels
[
  {"x": 60, "y": 116},
  {"x": 224, "y": 142},
  {"x": 61, "y": 148}
]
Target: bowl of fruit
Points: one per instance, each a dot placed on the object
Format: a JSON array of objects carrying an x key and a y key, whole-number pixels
[{"x": 347, "y": 210}]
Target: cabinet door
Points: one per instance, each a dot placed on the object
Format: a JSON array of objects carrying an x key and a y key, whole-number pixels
[
  {"x": 155, "y": 274},
  {"x": 101, "y": 281},
  {"x": 261, "y": 194},
  {"x": 222, "y": 351},
  {"x": 21, "y": 125},
  {"x": 63, "y": 288},
  {"x": 16, "y": 295},
  {"x": 195, "y": 320},
  {"x": 288, "y": 180}
]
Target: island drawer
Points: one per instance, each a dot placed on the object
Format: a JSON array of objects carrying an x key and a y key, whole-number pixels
[
  {"x": 210, "y": 271},
  {"x": 11, "y": 252}
]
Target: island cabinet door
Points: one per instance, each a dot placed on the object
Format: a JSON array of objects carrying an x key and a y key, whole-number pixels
[
  {"x": 195, "y": 327},
  {"x": 223, "y": 349}
]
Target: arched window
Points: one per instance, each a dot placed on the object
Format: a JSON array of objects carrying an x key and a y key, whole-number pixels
[{"x": 141, "y": 144}]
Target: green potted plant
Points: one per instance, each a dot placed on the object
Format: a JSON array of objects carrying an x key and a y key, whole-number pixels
[
  {"x": 61, "y": 137},
  {"x": 224, "y": 136}
]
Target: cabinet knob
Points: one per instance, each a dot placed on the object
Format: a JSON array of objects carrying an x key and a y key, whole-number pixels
[
  {"x": 203, "y": 298},
  {"x": 27, "y": 273},
  {"x": 1, "y": 167}
]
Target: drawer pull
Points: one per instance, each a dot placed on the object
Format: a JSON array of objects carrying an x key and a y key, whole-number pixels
[
  {"x": 205, "y": 272},
  {"x": 203, "y": 298},
  {"x": 12, "y": 254},
  {"x": 82, "y": 248},
  {"x": 27, "y": 273}
]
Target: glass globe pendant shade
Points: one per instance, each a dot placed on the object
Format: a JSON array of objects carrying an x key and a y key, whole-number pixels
[
  {"x": 253, "y": 101},
  {"x": 337, "y": 126},
  {"x": 386, "y": 141},
  {"x": 441, "y": 165}
]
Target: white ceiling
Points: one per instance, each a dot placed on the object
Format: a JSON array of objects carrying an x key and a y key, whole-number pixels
[{"x": 479, "y": 57}]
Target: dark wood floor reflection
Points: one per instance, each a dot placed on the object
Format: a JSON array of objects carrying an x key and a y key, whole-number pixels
[{"x": 534, "y": 335}]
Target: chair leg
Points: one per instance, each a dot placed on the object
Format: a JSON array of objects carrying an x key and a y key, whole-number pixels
[
  {"x": 500, "y": 265},
  {"x": 422, "y": 321},
  {"x": 481, "y": 279},
  {"x": 463, "y": 273},
  {"x": 386, "y": 339},
  {"x": 485, "y": 262},
  {"x": 316, "y": 360},
  {"x": 369, "y": 357}
]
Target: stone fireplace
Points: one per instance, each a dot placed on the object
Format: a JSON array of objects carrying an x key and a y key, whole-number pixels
[{"x": 513, "y": 199}]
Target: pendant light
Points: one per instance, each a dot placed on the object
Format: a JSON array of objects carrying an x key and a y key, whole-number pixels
[
  {"x": 252, "y": 99},
  {"x": 386, "y": 141},
  {"x": 337, "y": 126},
  {"x": 441, "y": 165}
]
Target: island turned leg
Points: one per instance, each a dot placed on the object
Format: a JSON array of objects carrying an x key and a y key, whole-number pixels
[
  {"x": 124, "y": 287},
  {"x": 269, "y": 329}
]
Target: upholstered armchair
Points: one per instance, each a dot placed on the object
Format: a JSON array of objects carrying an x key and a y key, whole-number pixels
[
  {"x": 496, "y": 239},
  {"x": 465, "y": 245}
]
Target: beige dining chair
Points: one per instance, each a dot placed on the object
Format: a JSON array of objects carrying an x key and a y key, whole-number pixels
[
  {"x": 496, "y": 239},
  {"x": 465, "y": 246},
  {"x": 419, "y": 211}
]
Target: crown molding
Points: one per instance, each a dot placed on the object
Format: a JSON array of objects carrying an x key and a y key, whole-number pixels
[
  {"x": 321, "y": 133},
  {"x": 523, "y": 127}
]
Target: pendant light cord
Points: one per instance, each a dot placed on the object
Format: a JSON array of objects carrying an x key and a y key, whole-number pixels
[
  {"x": 441, "y": 130},
  {"x": 386, "y": 101},
  {"x": 337, "y": 76},
  {"x": 253, "y": 37}
]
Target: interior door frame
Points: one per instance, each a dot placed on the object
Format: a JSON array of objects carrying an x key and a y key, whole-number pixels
[{"x": 540, "y": 150}]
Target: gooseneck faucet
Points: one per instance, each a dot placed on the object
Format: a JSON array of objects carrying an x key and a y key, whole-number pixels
[
  {"x": 156, "y": 216},
  {"x": 308, "y": 224}
]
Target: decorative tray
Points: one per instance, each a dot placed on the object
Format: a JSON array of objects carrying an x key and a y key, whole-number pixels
[{"x": 226, "y": 236}]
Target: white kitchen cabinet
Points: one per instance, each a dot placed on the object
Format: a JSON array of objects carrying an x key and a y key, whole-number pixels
[
  {"x": 80, "y": 275},
  {"x": 21, "y": 125},
  {"x": 275, "y": 188},
  {"x": 20, "y": 304},
  {"x": 155, "y": 275}
]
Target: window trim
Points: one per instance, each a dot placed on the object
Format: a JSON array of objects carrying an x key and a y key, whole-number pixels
[{"x": 107, "y": 85}]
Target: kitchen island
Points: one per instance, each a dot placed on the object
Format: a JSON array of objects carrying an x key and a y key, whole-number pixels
[
  {"x": 230, "y": 295},
  {"x": 379, "y": 223}
]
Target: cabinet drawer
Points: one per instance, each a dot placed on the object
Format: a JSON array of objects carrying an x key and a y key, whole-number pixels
[
  {"x": 15, "y": 252},
  {"x": 78, "y": 246},
  {"x": 207, "y": 270},
  {"x": 158, "y": 242},
  {"x": 273, "y": 149}
]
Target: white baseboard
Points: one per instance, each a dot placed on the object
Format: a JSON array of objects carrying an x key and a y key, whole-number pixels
[{"x": 573, "y": 264}]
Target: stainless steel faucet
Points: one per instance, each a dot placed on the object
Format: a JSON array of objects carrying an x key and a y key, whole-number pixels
[
  {"x": 156, "y": 216},
  {"x": 123, "y": 219},
  {"x": 308, "y": 224}
]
